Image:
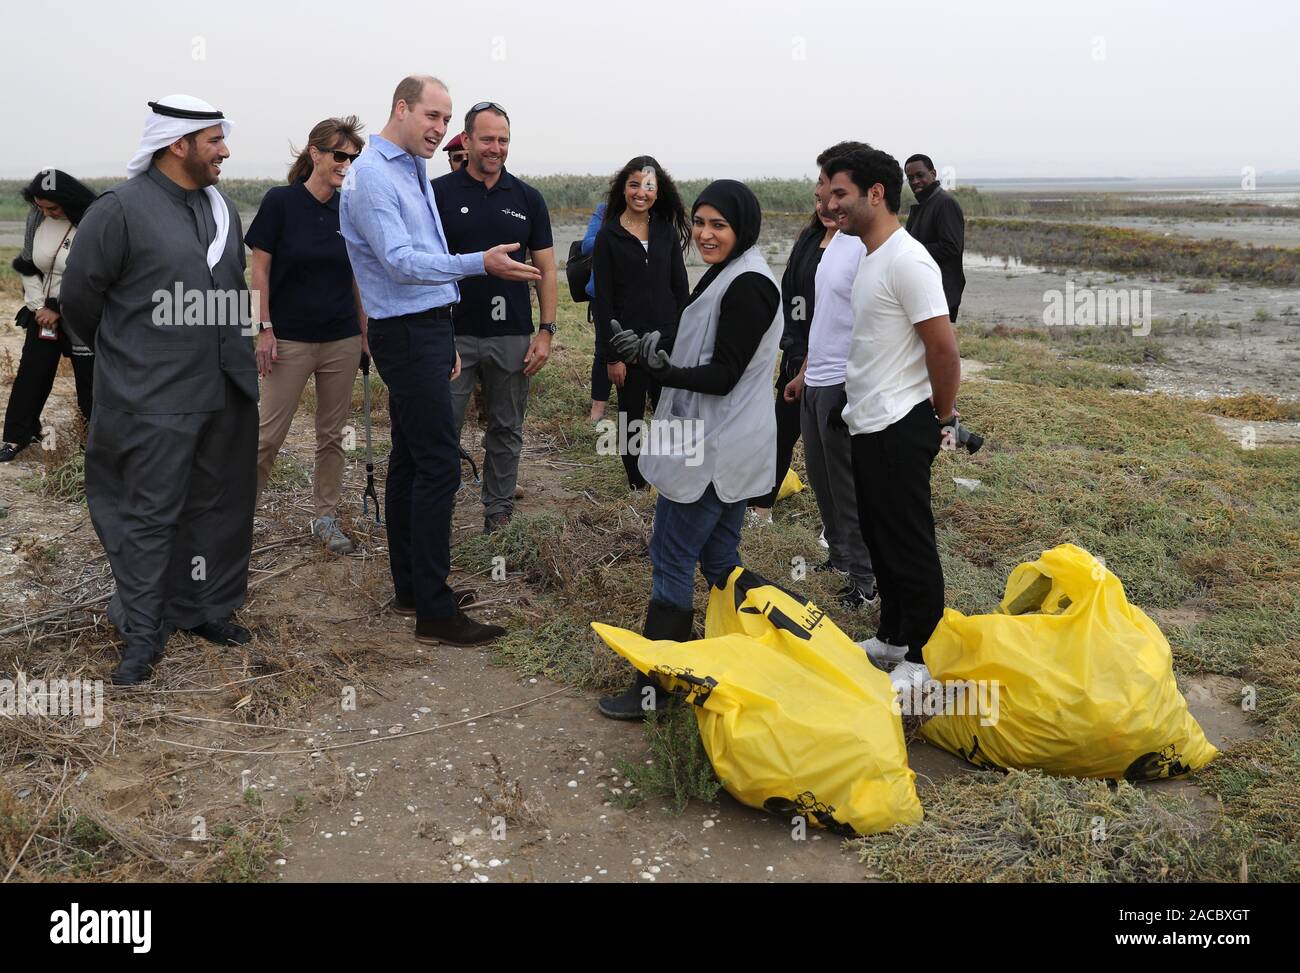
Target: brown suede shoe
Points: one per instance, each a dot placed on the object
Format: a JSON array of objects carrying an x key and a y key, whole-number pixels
[
  {"x": 459, "y": 629},
  {"x": 464, "y": 598}
]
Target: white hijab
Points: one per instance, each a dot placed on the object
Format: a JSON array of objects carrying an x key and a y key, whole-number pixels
[{"x": 161, "y": 130}]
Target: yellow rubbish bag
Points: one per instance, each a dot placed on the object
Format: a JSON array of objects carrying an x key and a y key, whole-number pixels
[
  {"x": 793, "y": 716},
  {"x": 1083, "y": 681},
  {"x": 791, "y": 484}
]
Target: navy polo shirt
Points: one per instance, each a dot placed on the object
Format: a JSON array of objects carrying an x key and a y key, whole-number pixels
[
  {"x": 476, "y": 218},
  {"x": 311, "y": 279}
]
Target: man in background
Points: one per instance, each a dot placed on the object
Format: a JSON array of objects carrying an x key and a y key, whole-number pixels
[
  {"x": 936, "y": 220},
  {"x": 483, "y": 206},
  {"x": 456, "y": 153}
]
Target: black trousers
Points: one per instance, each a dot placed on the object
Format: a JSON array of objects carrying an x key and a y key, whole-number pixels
[
  {"x": 35, "y": 379},
  {"x": 600, "y": 383},
  {"x": 171, "y": 497},
  {"x": 415, "y": 354},
  {"x": 787, "y": 429},
  {"x": 891, "y": 473},
  {"x": 637, "y": 388}
]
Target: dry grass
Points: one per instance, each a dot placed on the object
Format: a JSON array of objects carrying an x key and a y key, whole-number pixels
[{"x": 1185, "y": 518}]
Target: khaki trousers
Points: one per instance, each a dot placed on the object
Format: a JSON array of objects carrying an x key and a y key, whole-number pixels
[{"x": 334, "y": 364}]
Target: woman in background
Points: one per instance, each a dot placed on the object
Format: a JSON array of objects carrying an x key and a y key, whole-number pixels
[
  {"x": 58, "y": 202},
  {"x": 312, "y": 324},
  {"x": 639, "y": 275}
]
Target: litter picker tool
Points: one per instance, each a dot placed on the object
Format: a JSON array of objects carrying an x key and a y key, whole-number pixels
[{"x": 368, "y": 493}]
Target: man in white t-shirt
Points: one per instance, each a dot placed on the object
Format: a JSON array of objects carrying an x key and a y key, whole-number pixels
[
  {"x": 902, "y": 376},
  {"x": 819, "y": 387}
]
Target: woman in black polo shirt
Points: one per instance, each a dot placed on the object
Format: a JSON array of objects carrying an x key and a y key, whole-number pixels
[
  {"x": 312, "y": 323},
  {"x": 640, "y": 277}
]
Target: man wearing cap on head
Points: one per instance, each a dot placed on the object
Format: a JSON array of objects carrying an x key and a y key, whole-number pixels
[
  {"x": 456, "y": 153},
  {"x": 155, "y": 283}
]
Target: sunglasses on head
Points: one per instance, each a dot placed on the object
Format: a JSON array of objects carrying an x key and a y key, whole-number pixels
[
  {"x": 340, "y": 156},
  {"x": 485, "y": 105}
]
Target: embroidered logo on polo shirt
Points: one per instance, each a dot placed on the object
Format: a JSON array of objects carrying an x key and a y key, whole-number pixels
[{"x": 518, "y": 216}]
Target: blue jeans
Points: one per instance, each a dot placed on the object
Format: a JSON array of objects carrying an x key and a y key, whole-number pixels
[
  {"x": 414, "y": 356},
  {"x": 706, "y": 532}
]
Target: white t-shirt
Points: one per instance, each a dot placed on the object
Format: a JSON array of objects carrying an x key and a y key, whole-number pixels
[
  {"x": 832, "y": 323},
  {"x": 898, "y": 286}
]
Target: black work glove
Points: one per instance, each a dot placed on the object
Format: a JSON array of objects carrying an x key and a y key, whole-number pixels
[
  {"x": 653, "y": 358},
  {"x": 623, "y": 344}
]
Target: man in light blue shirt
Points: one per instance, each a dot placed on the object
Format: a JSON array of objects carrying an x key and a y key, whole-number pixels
[{"x": 407, "y": 281}]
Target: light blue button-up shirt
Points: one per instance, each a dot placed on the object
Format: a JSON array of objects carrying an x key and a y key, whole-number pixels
[{"x": 394, "y": 236}]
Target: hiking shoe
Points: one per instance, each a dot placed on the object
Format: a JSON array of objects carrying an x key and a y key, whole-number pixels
[
  {"x": 883, "y": 655},
  {"x": 853, "y": 597},
  {"x": 327, "y": 529},
  {"x": 909, "y": 676},
  {"x": 223, "y": 632},
  {"x": 459, "y": 629},
  {"x": 495, "y": 522},
  {"x": 643, "y": 697},
  {"x": 464, "y": 598}
]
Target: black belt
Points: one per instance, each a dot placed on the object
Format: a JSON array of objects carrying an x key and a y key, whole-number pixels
[{"x": 433, "y": 314}]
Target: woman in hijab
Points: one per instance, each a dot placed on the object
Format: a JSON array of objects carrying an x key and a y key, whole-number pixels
[
  {"x": 58, "y": 202},
  {"x": 712, "y": 443}
]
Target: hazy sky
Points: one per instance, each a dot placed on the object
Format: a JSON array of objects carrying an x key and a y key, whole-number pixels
[{"x": 721, "y": 89}]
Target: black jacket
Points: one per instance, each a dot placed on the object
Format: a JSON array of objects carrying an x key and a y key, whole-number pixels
[
  {"x": 644, "y": 292},
  {"x": 936, "y": 220}
]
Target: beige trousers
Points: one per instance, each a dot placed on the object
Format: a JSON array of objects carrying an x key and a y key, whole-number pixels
[{"x": 335, "y": 365}]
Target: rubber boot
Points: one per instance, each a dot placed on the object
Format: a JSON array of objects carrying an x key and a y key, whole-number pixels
[{"x": 662, "y": 622}]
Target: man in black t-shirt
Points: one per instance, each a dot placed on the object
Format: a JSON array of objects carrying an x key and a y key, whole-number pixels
[{"x": 478, "y": 203}]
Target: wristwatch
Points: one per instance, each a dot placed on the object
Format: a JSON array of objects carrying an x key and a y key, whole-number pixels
[
  {"x": 548, "y": 328},
  {"x": 263, "y": 326}
]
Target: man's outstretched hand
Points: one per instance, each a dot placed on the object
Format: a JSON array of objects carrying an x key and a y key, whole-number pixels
[{"x": 499, "y": 263}]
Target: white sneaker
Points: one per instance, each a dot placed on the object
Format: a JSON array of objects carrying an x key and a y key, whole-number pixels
[
  {"x": 909, "y": 676},
  {"x": 883, "y": 655}
]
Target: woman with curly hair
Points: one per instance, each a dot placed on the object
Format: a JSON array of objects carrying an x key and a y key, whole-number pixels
[{"x": 639, "y": 270}]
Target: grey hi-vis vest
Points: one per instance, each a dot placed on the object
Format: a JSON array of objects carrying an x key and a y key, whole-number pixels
[{"x": 727, "y": 440}]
